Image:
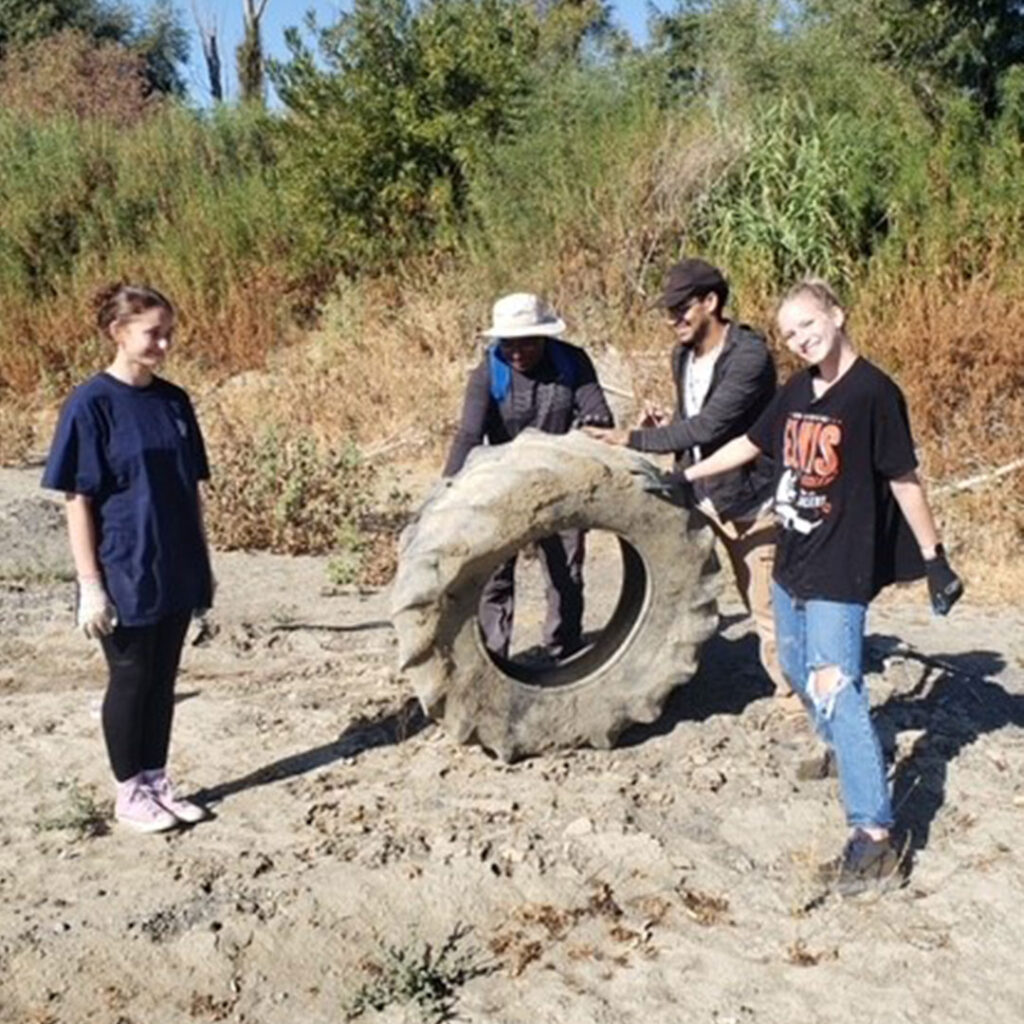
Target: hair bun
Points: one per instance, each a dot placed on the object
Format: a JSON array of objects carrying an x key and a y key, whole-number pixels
[{"x": 105, "y": 295}]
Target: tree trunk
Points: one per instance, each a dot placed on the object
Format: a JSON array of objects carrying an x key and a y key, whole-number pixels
[
  {"x": 207, "y": 29},
  {"x": 249, "y": 55}
]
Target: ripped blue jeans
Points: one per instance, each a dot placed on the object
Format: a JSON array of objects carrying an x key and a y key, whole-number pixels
[{"x": 815, "y": 635}]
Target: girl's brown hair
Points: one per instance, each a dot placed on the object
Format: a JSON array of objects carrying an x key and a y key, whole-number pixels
[
  {"x": 119, "y": 302},
  {"x": 819, "y": 290}
]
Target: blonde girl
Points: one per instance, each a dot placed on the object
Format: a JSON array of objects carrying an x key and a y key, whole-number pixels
[{"x": 853, "y": 518}]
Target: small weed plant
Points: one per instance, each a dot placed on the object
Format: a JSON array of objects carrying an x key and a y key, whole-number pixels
[
  {"x": 427, "y": 979},
  {"x": 80, "y": 814}
]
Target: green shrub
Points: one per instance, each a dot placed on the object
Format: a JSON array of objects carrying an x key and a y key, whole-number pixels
[
  {"x": 387, "y": 119},
  {"x": 806, "y": 195},
  {"x": 82, "y": 815},
  {"x": 959, "y": 203},
  {"x": 277, "y": 488},
  {"x": 285, "y": 492}
]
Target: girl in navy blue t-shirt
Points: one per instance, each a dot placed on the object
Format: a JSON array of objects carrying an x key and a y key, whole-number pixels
[
  {"x": 129, "y": 455},
  {"x": 853, "y": 518}
]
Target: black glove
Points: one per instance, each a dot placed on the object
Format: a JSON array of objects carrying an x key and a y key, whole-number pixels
[
  {"x": 944, "y": 586},
  {"x": 683, "y": 488}
]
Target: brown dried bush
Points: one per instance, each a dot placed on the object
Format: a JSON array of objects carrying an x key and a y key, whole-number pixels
[
  {"x": 68, "y": 73},
  {"x": 957, "y": 351}
]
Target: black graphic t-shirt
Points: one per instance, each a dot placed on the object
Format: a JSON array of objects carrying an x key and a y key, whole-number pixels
[{"x": 842, "y": 536}]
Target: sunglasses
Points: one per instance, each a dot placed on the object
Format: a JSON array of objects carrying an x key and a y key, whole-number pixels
[
  {"x": 516, "y": 343},
  {"x": 680, "y": 309}
]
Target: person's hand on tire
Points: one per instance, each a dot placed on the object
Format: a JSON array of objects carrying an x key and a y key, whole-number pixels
[
  {"x": 652, "y": 416},
  {"x": 945, "y": 588},
  {"x": 96, "y": 615},
  {"x": 610, "y": 435}
]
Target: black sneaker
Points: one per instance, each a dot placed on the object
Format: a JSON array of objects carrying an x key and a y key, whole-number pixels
[{"x": 865, "y": 864}]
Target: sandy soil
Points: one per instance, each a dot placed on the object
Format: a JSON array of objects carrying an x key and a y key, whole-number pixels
[{"x": 355, "y": 854}]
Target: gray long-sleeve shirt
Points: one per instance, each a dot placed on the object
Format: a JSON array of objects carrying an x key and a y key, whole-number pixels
[
  {"x": 742, "y": 385},
  {"x": 540, "y": 399}
]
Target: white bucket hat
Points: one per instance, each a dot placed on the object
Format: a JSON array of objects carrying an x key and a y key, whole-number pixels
[{"x": 522, "y": 315}]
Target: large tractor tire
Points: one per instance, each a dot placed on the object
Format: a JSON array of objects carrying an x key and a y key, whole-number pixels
[{"x": 506, "y": 497}]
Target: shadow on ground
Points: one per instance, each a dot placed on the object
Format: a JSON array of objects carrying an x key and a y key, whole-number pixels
[
  {"x": 954, "y": 701},
  {"x": 952, "y": 704},
  {"x": 729, "y": 678},
  {"x": 360, "y": 735}
]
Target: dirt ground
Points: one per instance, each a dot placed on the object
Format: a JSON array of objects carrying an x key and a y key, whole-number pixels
[{"x": 357, "y": 858}]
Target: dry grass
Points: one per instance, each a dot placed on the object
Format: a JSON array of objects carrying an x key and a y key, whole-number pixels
[
  {"x": 387, "y": 359},
  {"x": 17, "y": 429},
  {"x": 703, "y": 907},
  {"x": 607, "y": 266},
  {"x": 535, "y": 928},
  {"x": 957, "y": 350},
  {"x": 68, "y": 73},
  {"x": 389, "y": 366},
  {"x": 798, "y": 954},
  {"x": 57, "y": 346}
]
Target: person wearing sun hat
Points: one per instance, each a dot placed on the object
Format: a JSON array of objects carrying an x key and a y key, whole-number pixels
[{"x": 530, "y": 377}]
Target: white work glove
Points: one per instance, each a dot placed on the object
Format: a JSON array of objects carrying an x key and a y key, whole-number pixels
[{"x": 97, "y": 615}]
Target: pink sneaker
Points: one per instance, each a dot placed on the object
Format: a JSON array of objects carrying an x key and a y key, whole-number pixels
[
  {"x": 136, "y": 808},
  {"x": 161, "y": 789}
]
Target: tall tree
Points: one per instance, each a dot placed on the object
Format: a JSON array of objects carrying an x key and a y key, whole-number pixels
[
  {"x": 156, "y": 34},
  {"x": 389, "y": 117},
  {"x": 936, "y": 44},
  {"x": 567, "y": 26},
  {"x": 249, "y": 55},
  {"x": 25, "y": 21},
  {"x": 162, "y": 41}
]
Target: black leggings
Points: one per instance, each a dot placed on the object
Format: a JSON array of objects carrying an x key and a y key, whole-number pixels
[{"x": 139, "y": 704}]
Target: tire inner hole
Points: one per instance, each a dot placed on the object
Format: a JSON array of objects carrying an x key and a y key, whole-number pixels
[{"x": 615, "y": 590}]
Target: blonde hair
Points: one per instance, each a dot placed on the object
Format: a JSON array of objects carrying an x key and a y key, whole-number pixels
[{"x": 818, "y": 289}]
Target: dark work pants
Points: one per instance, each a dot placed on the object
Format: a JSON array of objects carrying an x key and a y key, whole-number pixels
[
  {"x": 561, "y": 559},
  {"x": 139, "y": 703}
]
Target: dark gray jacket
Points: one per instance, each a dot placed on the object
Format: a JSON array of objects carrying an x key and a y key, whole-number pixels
[
  {"x": 742, "y": 385},
  {"x": 539, "y": 399}
]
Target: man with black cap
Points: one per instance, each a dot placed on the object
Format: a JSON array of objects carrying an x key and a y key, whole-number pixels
[{"x": 724, "y": 377}]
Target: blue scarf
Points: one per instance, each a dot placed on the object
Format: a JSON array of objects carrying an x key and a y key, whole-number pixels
[{"x": 501, "y": 373}]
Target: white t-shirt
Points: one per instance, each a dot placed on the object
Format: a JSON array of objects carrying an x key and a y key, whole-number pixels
[
  {"x": 697, "y": 376},
  {"x": 698, "y": 372}
]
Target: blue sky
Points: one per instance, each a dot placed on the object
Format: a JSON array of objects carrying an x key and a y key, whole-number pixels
[{"x": 631, "y": 14}]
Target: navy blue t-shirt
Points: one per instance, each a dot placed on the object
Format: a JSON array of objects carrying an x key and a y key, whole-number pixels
[{"x": 138, "y": 454}]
